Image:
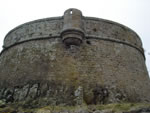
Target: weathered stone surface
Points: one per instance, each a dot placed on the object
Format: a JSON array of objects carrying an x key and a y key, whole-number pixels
[
  {"x": 88, "y": 66},
  {"x": 37, "y": 69}
]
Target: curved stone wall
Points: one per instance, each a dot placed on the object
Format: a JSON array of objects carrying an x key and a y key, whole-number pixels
[
  {"x": 108, "y": 66},
  {"x": 94, "y": 27}
]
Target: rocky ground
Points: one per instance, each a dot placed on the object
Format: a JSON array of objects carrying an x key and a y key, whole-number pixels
[{"x": 109, "y": 108}]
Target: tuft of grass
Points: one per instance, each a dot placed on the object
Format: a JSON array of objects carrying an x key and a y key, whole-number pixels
[{"x": 115, "y": 107}]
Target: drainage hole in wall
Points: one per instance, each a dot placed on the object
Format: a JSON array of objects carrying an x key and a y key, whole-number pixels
[
  {"x": 94, "y": 29},
  {"x": 88, "y": 42}
]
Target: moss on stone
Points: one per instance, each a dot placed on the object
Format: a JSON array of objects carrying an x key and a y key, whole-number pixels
[{"x": 115, "y": 107}]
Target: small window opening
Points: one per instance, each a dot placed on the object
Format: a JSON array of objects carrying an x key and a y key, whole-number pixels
[{"x": 71, "y": 12}]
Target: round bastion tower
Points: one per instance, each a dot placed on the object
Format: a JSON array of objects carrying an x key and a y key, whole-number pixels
[{"x": 72, "y": 60}]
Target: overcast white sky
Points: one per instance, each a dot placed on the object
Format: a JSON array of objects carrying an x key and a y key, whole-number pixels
[{"x": 132, "y": 13}]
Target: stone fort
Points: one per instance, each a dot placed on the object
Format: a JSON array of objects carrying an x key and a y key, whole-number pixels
[{"x": 72, "y": 60}]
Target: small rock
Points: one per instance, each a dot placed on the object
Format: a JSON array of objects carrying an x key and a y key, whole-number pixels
[
  {"x": 103, "y": 111},
  {"x": 43, "y": 111},
  {"x": 2, "y": 103},
  {"x": 81, "y": 111},
  {"x": 97, "y": 111},
  {"x": 79, "y": 95},
  {"x": 14, "y": 112}
]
